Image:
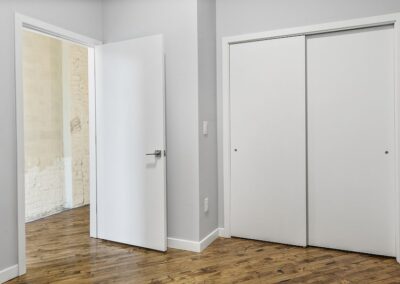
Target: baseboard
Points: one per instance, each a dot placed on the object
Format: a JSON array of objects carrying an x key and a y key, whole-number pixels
[
  {"x": 9, "y": 273},
  {"x": 193, "y": 245},
  {"x": 204, "y": 243},
  {"x": 184, "y": 244},
  {"x": 222, "y": 233}
]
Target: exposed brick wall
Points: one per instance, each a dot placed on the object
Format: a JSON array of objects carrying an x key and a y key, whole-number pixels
[
  {"x": 44, "y": 193},
  {"x": 43, "y": 121},
  {"x": 44, "y": 124},
  {"x": 79, "y": 123}
]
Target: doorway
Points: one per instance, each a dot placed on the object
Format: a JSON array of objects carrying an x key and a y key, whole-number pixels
[
  {"x": 54, "y": 71},
  {"x": 125, "y": 129},
  {"x": 55, "y": 81}
]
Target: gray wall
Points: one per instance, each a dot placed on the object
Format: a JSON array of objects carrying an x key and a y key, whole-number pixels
[
  {"x": 83, "y": 17},
  {"x": 236, "y": 17},
  {"x": 177, "y": 20},
  {"x": 189, "y": 33},
  {"x": 206, "y": 11}
]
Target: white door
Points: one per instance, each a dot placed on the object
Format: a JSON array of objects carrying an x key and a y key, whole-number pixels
[
  {"x": 268, "y": 141},
  {"x": 131, "y": 190},
  {"x": 351, "y": 140}
]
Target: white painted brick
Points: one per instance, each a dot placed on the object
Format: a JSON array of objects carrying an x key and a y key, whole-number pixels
[{"x": 44, "y": 65}]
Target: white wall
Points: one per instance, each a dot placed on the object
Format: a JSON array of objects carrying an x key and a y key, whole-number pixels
[
  {"x": 81, "y": 16},
  {"x": 236, "y": 17},
  {"x": 177, "y": 21},
  {"x": 206, "y": 20},
  {"x": 76, "y": 124},
  {"x": 43, "y": 125},
  {"x": 56, "y": 125}
]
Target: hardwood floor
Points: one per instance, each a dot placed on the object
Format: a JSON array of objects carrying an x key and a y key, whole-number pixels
[{"x": 59, "y": 250}]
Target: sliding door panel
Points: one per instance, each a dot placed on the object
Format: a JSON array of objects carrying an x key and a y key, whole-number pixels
[
  {"x": 351, "y": 140},
  {"x": 268, "y": 158}
]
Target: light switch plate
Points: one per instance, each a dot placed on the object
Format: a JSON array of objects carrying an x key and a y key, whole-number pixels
[{"x": 206, "y": 205}]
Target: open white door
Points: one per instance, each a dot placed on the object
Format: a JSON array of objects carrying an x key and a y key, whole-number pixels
[{"x": 131, "y": 166}]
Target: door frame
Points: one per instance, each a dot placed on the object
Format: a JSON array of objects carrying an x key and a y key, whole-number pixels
[
  {"x": 22, "y": 23},
  {"x": 376, "y": 21}
]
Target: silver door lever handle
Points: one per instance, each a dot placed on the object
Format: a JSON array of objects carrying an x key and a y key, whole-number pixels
[{"x": 157, "y": 153}]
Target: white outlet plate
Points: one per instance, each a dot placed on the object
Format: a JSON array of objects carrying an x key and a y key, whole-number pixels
[{"x": 206, "y": 205}]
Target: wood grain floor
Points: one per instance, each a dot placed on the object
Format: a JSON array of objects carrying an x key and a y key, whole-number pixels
[{"x": 59, "y": 250}]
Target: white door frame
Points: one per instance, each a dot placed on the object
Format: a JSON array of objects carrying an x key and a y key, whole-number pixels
[
  {"x": 23, "y": 22},
  {"x": 388, "y": 19}
]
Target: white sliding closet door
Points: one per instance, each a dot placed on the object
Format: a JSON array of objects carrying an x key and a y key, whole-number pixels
[
  {"x": 268, "y": 158},
  {"x": 351, "y": 140}
]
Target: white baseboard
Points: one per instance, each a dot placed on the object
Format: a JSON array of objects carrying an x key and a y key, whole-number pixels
[
  {"x": 208, "y": 240},
  {"x": 184, "y": 244},
  {"x": 9, "y": 273},
  {"x": 193, "y": 245},
  {"x": 222, "y": 233}
]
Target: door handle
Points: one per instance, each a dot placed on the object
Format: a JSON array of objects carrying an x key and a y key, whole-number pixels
[{"x": 157, "y": 154}]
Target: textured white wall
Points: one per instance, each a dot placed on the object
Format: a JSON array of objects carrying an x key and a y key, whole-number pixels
[
  {"x": 43, "y": 124},
  {"x": 56, "y": 125},
  {"x": 44, "y": 194},
  {"x": 78, "y": 123}
]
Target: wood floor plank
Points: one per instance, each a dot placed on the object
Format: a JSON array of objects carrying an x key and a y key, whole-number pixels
[{"x": 59, "y": 250}]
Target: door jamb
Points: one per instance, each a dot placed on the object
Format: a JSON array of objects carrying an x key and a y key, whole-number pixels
[
  {"x": 389, "y": 19},
  {"x": 23, "y": 22}
]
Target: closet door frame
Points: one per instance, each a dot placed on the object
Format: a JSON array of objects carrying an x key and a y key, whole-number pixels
[{"x": 225, "y": 117}]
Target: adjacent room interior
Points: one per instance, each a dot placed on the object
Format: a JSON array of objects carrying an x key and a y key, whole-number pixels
[
  {"x": 56, "y": 125},
  {"x": 56, "y": 140}
]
